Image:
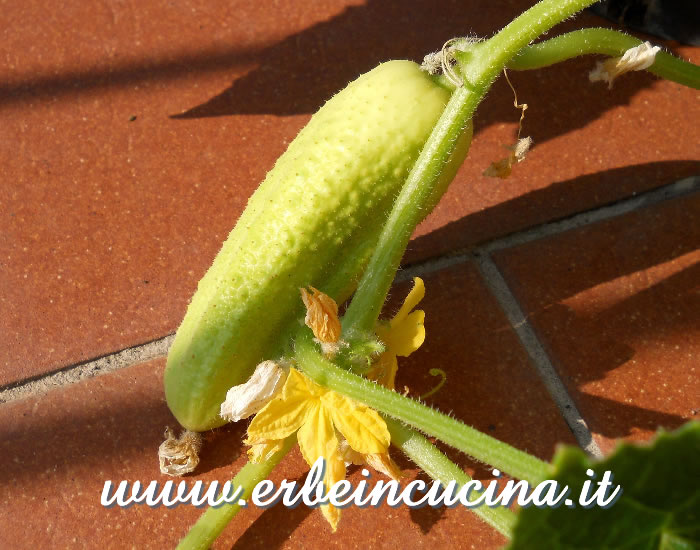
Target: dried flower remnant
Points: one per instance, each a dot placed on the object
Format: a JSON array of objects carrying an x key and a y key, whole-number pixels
[
  {"x": 503, "y": 168},
  {"x": 246, "y": 399},
  {"x": 635, "y": 59},
  {"x": 322, "y": 319},
  {"x": 179, "y": 456},
  {"x": 321, "y": 315}
]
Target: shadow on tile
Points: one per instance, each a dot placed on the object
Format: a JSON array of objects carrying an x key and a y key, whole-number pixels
[
  {"x": 275, "y": 525},
  {"x": 674, "y": 292},
  {"x": 644, "y": 321},
  {"x": 560, "y": 199},
  {"x": 298, "y": 74},
  {"x": 426, "y": 517},
  {"x": 128, "y": 74},
  {"x": 625, "y": 418},
  {"x": 69, "y": 431},
  {"x": 615, "y": 303}
]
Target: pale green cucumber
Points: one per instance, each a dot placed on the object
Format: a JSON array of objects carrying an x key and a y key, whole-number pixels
[{"x": 313, "y": 221}]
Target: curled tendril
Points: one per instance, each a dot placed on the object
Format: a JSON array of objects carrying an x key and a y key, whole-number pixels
[
  {"x": 444, "y": 60},
  {"x": 436, "y": 372},
  {"x": 447, "y": 60}
]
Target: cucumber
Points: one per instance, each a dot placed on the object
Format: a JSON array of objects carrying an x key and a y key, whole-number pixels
[{"x": 312, "y": 222}]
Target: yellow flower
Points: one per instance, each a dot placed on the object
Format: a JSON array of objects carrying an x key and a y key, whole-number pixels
[
  {"x": 403, "y": 335},
  {"x": 328, "y": 424},
  {"x": 317, "y": 415}
]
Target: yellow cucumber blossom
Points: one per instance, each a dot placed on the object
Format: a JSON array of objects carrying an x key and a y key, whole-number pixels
[
  {"x": 402, "y": 335},
  {"x": 327, "y": 424},
  {"x": 318, "y": 416}
]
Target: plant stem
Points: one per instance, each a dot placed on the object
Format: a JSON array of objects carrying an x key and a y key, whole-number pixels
[
  {"x": 438, "y": 466},
  {"x": 479, "y": 67},
  {"x": 490, "y": 57},
  {"x": 606, "y": 42},
  {"x": 407, "y": 212},
  {"x": 212, "y": 522},
  {"x": 434, "y": 423}
]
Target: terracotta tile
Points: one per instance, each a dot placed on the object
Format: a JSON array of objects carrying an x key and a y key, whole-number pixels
[
  {"x": 133, "y": 138},
  {"x": 61, "y": 447},
  {"x": 617, "y": 305},
  {"x": 488, "y": 372}
]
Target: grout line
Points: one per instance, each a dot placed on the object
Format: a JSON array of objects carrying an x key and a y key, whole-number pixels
[
  {"x": 528, "y": 338},
  {"x": 673, "y": 190},
  {"x": 75, "y": 373},
  {"x": 159, "y": 348},
  {"x": 431, "y": 265}
]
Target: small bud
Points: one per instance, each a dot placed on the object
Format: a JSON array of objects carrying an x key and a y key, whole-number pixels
[
  {"x": 178, "y": 457},
  {"x": 246, "y": 399},
  {"x": 321, "y": 315},
  {"x": 635, "y": 59}
]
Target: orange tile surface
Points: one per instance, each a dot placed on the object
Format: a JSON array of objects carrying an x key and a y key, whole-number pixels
[
  {"x": 132, "y": 135},
  {"x": 617, "y": 305}
]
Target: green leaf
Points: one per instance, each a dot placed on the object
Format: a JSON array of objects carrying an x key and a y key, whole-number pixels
[{"x": 659, "y": 506}]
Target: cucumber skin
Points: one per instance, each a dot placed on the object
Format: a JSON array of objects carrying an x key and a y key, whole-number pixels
[{"x": 313, "y": 221}]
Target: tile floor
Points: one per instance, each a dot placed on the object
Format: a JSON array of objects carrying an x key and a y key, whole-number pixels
[{"x": 131, "y": 136}]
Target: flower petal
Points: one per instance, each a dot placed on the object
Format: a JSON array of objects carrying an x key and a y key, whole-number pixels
[
  {"x": 635, "y": 59},
  {"x": 364, "y": 429},
  {"x": 246, "y": 399},
  {"x": 408, "y": 335},
  {"x": 335, "y": 471},
  {"x": 285, "y": 414},
  {"x": 350, "y": 456},
  {"x": 412, "y": 300},
  {"x": 383, "y": 463},
  {"x": 179, "y": 456},
  {"x": 383, "y": 371},
  {"x": 300, "y": 385},
  {"x": 317, "y": 438}
]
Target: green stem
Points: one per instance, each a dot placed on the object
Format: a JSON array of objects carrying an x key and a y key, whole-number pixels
[
  {"x": 479, "y": 67},
  {"x": 407, "y": 212},
  {"x": 606, "y": 42},
  {"x": 212, "y": 522},
  {"x": 434, "y": 423},
  {"x": 489, "y": 58},
  {"x": 438, "y": 466}
]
